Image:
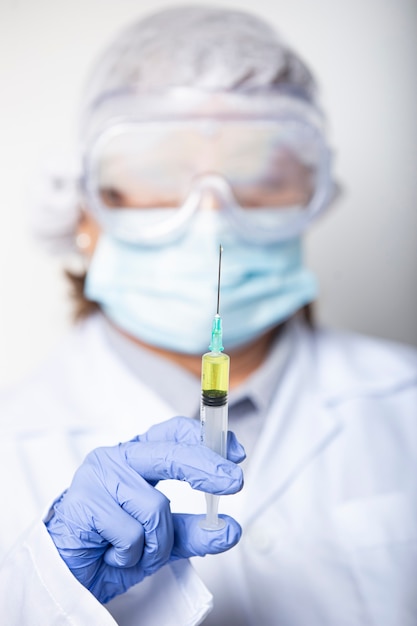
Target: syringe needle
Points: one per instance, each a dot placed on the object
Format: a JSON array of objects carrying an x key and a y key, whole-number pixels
[{"x": 218, "y": 280}]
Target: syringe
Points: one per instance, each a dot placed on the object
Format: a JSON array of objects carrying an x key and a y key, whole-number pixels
[{"x": 214, "y": 404}]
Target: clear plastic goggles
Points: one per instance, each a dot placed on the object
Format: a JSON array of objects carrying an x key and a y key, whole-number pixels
[{"x": 145, "y": 179}]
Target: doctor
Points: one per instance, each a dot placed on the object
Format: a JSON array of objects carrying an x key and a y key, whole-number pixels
[{"x": 201, "y": 127}]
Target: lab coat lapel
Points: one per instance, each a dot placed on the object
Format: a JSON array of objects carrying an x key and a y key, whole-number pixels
[{"x": 299, "y": 426}]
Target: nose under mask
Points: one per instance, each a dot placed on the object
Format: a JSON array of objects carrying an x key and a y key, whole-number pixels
[{"x": 166, "y": 295}]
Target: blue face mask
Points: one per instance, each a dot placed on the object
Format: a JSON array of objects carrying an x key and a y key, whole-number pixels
[{"x": 166, "y": 295}]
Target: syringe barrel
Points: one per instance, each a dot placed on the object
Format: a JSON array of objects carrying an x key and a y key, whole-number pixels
[
  {"x": 214, "y": 428},
  {"x": 214, "y": 401}
]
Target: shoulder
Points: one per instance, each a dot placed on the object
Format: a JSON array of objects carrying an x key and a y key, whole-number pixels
[
  {"x": 54, "y": 381},
  {"x": 351, "y": 363}
]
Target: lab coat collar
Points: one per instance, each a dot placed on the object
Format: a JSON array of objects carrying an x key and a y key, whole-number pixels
[
  {"x": 326, "y": 369},
  {"x": 352, "y": 365},
  {"x": 298, "y": 428}
]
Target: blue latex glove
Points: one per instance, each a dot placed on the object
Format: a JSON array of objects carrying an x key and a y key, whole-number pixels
[{"x": 112, "y": 527}]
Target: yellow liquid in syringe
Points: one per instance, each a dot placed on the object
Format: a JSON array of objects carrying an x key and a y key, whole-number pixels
[
  {"x": 215, "y": 376},
  {"x": 214, "y": 396}
]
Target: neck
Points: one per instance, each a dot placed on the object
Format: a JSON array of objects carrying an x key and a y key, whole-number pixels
[{"x": 244, "y": 361}]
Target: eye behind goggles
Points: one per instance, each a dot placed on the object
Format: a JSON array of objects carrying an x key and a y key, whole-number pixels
[{"x": 144, "y": 180}]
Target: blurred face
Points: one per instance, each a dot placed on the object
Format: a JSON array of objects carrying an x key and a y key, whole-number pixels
[
  {"x": 169, "y": 192},
  {"x": 163, "y": 175},
  {"x": 146, "y": 180}
]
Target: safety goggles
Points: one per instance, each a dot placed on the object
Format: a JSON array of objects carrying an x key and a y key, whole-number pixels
[{"x": 269, "y": 171}]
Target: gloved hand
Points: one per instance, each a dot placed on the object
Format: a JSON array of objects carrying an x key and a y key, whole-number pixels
[{"x": 112, "y": 527}]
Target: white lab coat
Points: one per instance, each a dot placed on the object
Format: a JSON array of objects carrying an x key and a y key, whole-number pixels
[{"x": 328, "y": 509}]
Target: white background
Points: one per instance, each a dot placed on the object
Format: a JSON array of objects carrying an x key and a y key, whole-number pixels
[{"x": 364, "y": 252}]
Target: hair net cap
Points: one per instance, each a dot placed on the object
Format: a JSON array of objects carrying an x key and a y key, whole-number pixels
[{"x": 203, "y": 47}]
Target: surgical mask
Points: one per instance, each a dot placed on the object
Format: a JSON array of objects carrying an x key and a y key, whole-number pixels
[{"x": 166, "y": 295}]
